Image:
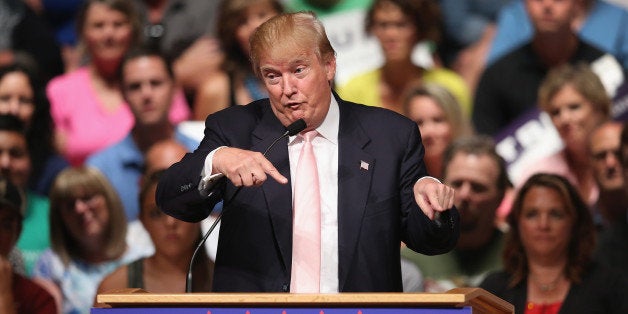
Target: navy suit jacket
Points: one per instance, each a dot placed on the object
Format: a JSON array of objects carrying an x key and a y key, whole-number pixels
[{"x": 376, "y": 206}]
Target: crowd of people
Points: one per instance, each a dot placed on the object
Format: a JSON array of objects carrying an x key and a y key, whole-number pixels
[{"x": 526, "y": 128}]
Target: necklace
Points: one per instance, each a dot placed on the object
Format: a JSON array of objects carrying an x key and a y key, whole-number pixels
[{"x": 547, "y": 287}]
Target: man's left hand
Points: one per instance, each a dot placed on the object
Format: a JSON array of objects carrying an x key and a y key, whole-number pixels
[{"x": 433, "y": 196}]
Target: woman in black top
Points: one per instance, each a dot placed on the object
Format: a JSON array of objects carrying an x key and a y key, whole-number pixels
[{"x": 548, "y": 265}]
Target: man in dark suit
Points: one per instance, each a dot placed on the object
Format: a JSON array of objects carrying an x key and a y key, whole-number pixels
[{"x": 373, "y": 186}]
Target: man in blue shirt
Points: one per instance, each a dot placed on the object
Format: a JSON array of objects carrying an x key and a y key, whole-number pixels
[{"x": 148, "y": 87}]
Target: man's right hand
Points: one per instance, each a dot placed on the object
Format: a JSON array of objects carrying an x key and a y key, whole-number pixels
[{"x": 244, "y": 167}]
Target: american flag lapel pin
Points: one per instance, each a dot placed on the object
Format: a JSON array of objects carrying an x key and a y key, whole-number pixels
[{"x": 364, "y": 165}]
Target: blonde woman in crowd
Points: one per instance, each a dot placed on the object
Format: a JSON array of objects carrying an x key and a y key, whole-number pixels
[
  {"x": 440, "y": 120},
  {"x": 87, "y": 231},
  {"x": 576, "y": 102}
]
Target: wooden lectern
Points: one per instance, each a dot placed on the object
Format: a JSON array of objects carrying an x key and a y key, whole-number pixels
[{"x": 459, "y": 300}]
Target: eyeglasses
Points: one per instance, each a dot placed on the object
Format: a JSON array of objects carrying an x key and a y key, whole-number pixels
[{"x": 88, "y": 199}]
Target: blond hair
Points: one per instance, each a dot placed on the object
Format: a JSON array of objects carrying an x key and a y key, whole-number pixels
[
  {"x": 64, "y": 190},
  {"x": 301, "y": 30}
]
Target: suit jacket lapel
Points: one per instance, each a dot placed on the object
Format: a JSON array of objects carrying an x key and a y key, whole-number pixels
[
  {"x": 353, "y": 187},
  {"x": 278, "y": 197}
]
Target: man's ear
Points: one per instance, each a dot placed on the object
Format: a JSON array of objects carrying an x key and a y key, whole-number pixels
[{"x": 330, "y": 68}]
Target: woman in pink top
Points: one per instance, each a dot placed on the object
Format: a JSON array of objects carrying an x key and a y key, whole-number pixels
[
  {"x": 576, "y": 102},
  {"x": 87, "y": 106}
]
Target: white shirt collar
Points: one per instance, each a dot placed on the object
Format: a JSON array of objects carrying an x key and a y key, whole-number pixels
[{"x": 331, "y": 124}]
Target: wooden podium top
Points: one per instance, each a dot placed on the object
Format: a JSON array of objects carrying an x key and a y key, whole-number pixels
[{"x": 481, "y": 300}]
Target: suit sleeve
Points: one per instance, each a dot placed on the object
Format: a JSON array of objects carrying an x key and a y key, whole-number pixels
[
  {"x": 177, "y": 192},
  {"x": 419, "y": 233}
]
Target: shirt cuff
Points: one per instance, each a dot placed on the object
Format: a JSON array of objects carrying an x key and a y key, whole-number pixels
[
  {"x": 208, "y": 180},
  {"x": 428, "y": 177}
]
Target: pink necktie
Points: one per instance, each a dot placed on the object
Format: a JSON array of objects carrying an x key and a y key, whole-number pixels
[{"x": 306, "y": 228}]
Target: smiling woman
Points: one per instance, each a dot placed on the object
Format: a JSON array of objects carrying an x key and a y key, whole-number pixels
[
  {"x": 87, "y": 231},
  {"x": 87, "y": 105},
  {"x": 576, "y": 102}
]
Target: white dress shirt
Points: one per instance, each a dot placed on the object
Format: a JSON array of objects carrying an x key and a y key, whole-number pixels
[{"x": 326, "y": 151}]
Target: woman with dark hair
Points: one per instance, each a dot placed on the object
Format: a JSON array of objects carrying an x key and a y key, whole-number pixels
[
  {"x": 16, "y": 165},
  {"x": 22, "y": 95},
  {"x": 399, "y": 25},
  {"x": 236, "y": 83},
  {"x": 88, "y": 236},
  {"x": 87, "y": 105},
  {"x": 548, "y": 265}
]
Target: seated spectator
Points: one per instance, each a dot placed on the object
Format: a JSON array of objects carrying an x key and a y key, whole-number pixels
[
  {"x": 603, "y": 145},
  {"x": 235, "y": 84},
  {"x": 612, "y": 249},
  {"x": 87, "y": 106},
  {"x": 87, "y": 231},
  {"x": 399, "y": 25},
  {"x": 148, "y": 87},
  {"x": 548, "y": 265},
  {"x": 599, "y": 22},
  {"x": 18, "y": 294},
  {"x": 576, "y": 102},
  {"x": 508, "y": 88},
  {"x": 478, "y": 175},
  {"x": 161, "y": 156},
  {"x": 22, "y": 95},
  {"x": 16, "y": 165},
  {"x": 175, "y": 242},
  {"x": 440, "y": 120}
]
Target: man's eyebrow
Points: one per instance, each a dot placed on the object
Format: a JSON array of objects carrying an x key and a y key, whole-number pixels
[
  {"x": 300, "y": 60},
  {"x": 292, "y": 63},
  {"x": 267, "y": 69}
]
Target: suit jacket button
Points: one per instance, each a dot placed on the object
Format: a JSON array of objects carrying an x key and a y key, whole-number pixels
[{"x": 285, "y": 287}]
